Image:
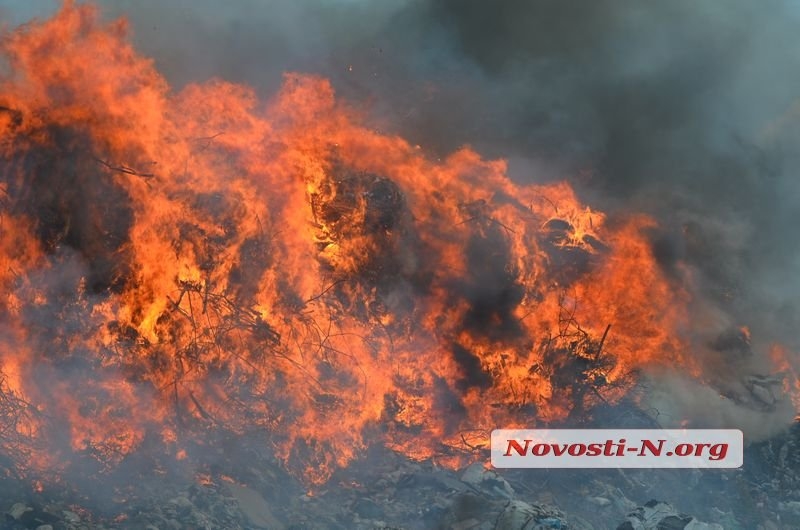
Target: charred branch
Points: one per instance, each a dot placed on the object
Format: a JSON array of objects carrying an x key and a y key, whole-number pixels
[{"x": 146, "y": 176}]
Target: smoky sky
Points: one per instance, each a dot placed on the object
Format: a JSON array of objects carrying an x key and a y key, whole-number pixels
[{"x": 684, "y": 110}]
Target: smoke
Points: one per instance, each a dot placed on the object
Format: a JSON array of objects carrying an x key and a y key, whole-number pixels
[
  {"x": 684, "y": 110},
  {"x": 673, "y": 398}
]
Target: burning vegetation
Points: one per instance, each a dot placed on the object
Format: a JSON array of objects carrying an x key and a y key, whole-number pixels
[{"x": 174, "y": 264}]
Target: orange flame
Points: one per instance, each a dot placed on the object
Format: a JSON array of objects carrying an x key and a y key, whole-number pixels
[{"x": 787, "y": 363}]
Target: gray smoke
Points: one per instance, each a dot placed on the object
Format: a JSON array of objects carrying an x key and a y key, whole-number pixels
[
  {"x": 684, "y": 110},
  {"x": 681, "y": 109}
]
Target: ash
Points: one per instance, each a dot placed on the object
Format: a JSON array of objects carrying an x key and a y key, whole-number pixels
[{"x": 249, "y": 490}]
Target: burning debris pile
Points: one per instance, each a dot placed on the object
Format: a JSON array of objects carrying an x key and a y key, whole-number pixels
[{"x": 181, "y": 267}]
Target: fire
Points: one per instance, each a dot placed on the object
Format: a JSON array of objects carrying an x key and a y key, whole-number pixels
[
  {"x": 173, "y": 262},
  {"x": 787, "y": 364}
]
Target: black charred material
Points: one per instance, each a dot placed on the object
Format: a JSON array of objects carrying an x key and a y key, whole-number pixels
[
  {"x": 338, "y": 209},
  {"x": 569, "y": 259},
  {"x": 254, "y": 259},
  {"x": 473, "y": 373},
  {"x": 491, "y": 288},
  {"x": 733, "y": 342},
  {"x": 75, "y": 203}
]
